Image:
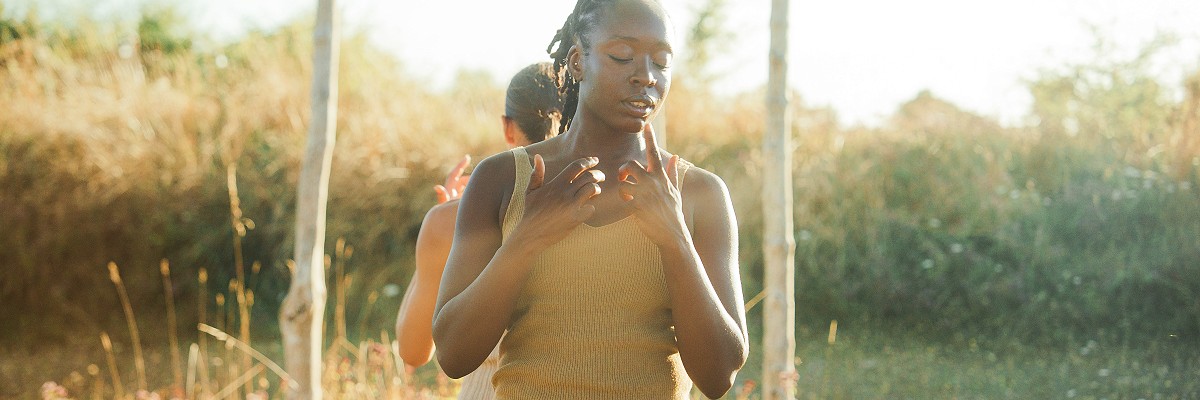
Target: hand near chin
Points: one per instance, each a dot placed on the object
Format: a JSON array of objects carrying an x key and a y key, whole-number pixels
[
  {"x": 653, "y": 193},
  {"x": 553, "y": 208}
]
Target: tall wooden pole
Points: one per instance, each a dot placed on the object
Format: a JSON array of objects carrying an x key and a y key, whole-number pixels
[
  {"x": 779, "y": 246},
  {"x": 302, "y": 314}
]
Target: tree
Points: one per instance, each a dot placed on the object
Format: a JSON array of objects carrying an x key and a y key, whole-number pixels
[
  {"x": 303, "y": 310},
  {"x": 779, "y": 246}
]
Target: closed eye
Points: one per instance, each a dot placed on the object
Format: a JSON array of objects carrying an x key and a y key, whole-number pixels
[{"x": 620, "y": 60}]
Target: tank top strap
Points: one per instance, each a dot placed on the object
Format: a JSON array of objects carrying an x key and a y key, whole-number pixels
[
  {"x": 516, "y": 203},
  {"x": 683, "y": 166}
]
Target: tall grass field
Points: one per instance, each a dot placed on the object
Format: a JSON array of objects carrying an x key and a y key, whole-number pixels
[{"x": 147, "y": 194}]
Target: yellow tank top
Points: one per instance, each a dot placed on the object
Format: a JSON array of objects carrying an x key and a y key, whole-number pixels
[{"x": 593, "y": 320}]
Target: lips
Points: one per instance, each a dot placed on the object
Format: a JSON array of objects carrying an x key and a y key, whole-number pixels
[{"x": 640, "y": 105}]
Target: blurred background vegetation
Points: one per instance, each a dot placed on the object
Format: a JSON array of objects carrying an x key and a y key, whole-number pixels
[{"x": 962, "y": 258}]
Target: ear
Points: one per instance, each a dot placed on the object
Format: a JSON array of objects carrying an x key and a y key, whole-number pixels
[
  {"x": 575, "y": 62},
  {"x": 511, "y": 130}
]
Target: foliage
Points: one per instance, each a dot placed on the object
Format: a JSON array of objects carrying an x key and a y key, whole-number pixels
[{"x": 110, "y": 156}]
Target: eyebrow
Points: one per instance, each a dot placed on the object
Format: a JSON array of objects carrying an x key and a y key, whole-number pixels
[{"x": 633, "y": 39}]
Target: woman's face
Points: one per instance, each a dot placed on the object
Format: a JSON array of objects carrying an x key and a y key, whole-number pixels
[{"x": 626, "y": 71}]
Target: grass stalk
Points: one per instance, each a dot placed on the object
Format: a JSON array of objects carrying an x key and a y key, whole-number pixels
[
  {"x": 222, "y": 320},
  {"x": 388, "y": 370},
  {"x": 240, "y": 225},
  {"x": 139, "y": 362},
  {"x": 164, "y": 269},
  {"x": 339, "y": 310},
  {"x": 825, "y": 374},
  {"x": 361, "y": 372},
  {"x": 250, "y": 351},
  {"x": 245, "y": 380},
  {"x": 365, "y": 314},
  {"x": 189, "y": 387},
  {"x": 113, "y": 373},
  {"x": 97, "y": 384},
  {"x": 202, "y": 339},
  {"x": 755, "y": 300}
]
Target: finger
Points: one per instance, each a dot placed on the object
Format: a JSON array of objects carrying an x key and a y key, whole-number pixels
[
  {"x": 586, "y": 192},
  {"x": 462, "y": 182},
  {"x": 672, "y": 170},
  {"x": 589, "y": 176},
  {"x": 539, "y": 173},
  {"x": 627, "y": 190},
  {"x": 442, "y": 197},
  {"x": 653, "y": 163},
  {"x": 631, "y": 168},
  {"x": 457, "y": 171},
  {"x": 577, "y": 167}
]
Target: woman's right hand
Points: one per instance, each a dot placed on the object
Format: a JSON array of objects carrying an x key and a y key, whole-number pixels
[{"x": 554, "y": 208}]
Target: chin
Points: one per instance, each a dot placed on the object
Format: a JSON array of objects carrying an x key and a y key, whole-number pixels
[
  {"x": 629, "y": 125},
  {"x": 637, "y": 126}
]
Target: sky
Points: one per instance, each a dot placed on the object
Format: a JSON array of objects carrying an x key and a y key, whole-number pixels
[{"x": 863, "y": 58}]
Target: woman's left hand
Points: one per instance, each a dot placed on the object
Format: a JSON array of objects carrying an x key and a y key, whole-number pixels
[{"x": 653, "y": 193}]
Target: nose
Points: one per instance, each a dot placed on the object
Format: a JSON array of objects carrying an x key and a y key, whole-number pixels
[{"x": 643, "y": 75}]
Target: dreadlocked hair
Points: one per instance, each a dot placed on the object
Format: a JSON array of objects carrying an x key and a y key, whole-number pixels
[{"x": 573, "y": 31}]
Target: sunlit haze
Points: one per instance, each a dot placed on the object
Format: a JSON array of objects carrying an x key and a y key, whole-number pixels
[{"x": 860, "y": 57}]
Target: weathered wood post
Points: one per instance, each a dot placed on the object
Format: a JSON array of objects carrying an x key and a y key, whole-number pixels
[
  {"x": 302, "y": 314},
  {"x": 779, "y": 245}
]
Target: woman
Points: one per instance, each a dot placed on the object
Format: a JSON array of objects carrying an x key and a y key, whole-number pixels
[
  {"x": 532, "y": 112},
  {"x": 608, "y": 272}
]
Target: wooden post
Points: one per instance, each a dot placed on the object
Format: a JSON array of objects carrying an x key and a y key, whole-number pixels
[
  {"x": 302, "y": 314},
  {"x": 779, "y": 246}
]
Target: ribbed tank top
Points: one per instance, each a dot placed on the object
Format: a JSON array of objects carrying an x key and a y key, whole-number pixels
[
  {"x": 593, "y": 320},
  {"x": 478, "y": 384}
]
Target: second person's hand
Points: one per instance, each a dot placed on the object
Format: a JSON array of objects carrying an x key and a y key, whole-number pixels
[{"x": 455, "y": 183}]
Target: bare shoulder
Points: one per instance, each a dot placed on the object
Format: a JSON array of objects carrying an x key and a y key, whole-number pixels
[
  {"x": 704, "y": 186},
  {"x": 439, "y": 220},
  {"x": 496, "y": 171},
  {"x": 490, "y": 186}
]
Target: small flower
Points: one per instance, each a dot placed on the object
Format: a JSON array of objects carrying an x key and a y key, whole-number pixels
[
  {"x": 53, "y": 391},
  {"x": 145, "y": 395}
]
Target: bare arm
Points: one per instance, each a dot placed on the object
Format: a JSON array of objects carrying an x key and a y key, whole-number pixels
[
  {"x": 700, "y": 265},
  {"x": 484, "y": 270},
  {"x": 703, "y": 280},
  {"x": 414, "y": 324}
]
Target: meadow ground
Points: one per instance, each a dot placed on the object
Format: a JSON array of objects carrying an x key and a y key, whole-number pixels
[{"x": 861, "y": 363}]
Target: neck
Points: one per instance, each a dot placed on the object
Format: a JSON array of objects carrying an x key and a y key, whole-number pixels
[{"x": 588, "y": 137}]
